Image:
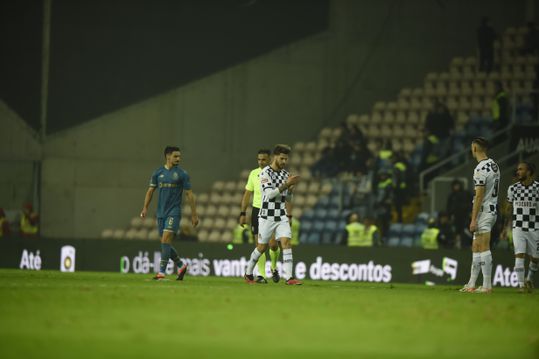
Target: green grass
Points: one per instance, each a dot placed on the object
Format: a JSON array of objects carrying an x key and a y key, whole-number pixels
[{"x": 94, "y": 315}]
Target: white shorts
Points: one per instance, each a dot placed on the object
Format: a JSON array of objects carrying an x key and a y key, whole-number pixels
[
  {"x": 485, "y": 222},
  {"x": 526, "y": 242},
  {"x": 266, "y": 228}
]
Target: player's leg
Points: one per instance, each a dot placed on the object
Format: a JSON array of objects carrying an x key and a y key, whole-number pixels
[
  {"x": 265, "y": 231},
  {"x": 284, "y": 235},
  {"x": 262, "y": 260},
  {"x": 532, "y": 269},
  {"x": 519, "y": 242},
  {"x": 483, "y": 242},
  {"x": 165, "y": 225},
  {"x": 172, "y": 226},
  {"x": 533, "y": 253},
  {"x": 475, "y": 269},
  {"x": 275, "y": 252}
]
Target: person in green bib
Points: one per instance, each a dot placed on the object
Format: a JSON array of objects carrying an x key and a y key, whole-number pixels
[
  {"x": 359, "y": 234},
  {"x": 253, "y": 189},
  {"x": 430, "y": 236}
]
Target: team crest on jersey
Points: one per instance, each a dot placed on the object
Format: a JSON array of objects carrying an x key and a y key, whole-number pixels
[{"x": 175, "y": 175}]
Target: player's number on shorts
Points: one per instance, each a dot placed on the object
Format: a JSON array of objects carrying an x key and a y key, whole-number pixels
[
  {"x": 170, "y": 221},
  {"x": 496, "y": 188}
]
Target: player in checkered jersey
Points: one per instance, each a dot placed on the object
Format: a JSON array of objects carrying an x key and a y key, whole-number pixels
[
  {"x": 486, "y": 178},
  {"x": 273, "y": 218},
  {"x": 523, "y": 203}
]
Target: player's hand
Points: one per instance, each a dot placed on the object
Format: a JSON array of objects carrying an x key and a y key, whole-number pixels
[
  {"x": 143, "y": 213},
  {"x": 473, "y": 226},
  {"x": 243, "y": 220},
  {"x": 194, "y": 220},
  {"x": 292, "y": 180}
]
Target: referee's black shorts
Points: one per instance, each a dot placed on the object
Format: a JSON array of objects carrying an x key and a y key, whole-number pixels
[{"x": 254, "y": 220}]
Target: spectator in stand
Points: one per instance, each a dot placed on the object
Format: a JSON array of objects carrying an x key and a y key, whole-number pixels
[
  {"x": 446, "y": 238},
  {"x": 500, "y": 108},
  {"x": 485, "y": 41},
  {"x": 29, "y": 221},
  {"x": 441, "y": 124},
  {"x": 400, "y": 182},
  {"x": 458, "y": 208},
  {"x": 531, "y": 40},
  {"x": 383, "y": 156},
  {"x": 439, "y": 121},
  {"x": 430, "y": 155},
  {"x": 325, "y": 166},
  {"x": 4, "y": 225},
  {"x": 383, "y": 201},
  {"x": 360, "y": 158}
]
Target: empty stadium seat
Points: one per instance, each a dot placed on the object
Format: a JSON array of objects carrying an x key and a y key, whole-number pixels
[
  {"x": 323, "y": 202},
  {"x": 215, "y": 236},
  {"x": 203, "y": 235},
  {"x": 107, "y": 233},
  {"x": 395, "y": 229},
  {"x": 137, "y": 222},
  {"x": 393, "y": 241},
  {"x": 407, "y": 242},
  {"x": 313, "y": 238},
  {"x": 118, "y": 234}
]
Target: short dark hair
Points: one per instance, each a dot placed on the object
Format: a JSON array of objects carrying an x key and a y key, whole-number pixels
[
  {"x": 170, "y": 149},
  {"x": 264, "y": 151},
  {"x": 530, "y": 166},
  {"x": 281, "y": 149},
  {"x": 481, "y": 142}
]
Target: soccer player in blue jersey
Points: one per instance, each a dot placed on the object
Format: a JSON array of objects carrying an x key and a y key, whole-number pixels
[{"x": 172, "y": 181}]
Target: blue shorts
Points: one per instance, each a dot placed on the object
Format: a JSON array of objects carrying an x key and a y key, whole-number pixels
[{"x": 168, "y": 224}]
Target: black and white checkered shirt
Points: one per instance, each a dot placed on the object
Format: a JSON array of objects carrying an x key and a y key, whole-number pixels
[
  {"x": 525, "y": 201},
  {"x": 487, "y": 174},
  {"x": 273, "y": 209}
]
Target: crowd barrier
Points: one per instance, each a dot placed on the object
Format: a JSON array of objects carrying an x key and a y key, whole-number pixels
[{"x": 328, "y": 263}]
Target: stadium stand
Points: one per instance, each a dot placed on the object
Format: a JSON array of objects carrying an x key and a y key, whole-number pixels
[{"x": 323, "y": 202}]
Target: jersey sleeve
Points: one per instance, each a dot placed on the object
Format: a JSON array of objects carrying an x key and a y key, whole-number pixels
[
  {"x": 250, "y": 186},
  {"x": 153, "y": 179},
  {"x": 479, "y": 178},
  {"x": 510, "y": 194},
  {"x": 186, "y": 181},
  {"x": 265, "y": 181}
]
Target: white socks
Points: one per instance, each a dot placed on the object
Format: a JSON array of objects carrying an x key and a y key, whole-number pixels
[
  {"x": 486, "y": 268},
  {"x": 287, "y": 263},
  {"x": 519, "y": 269},
  {"x": 531, "y": 271},
  {"x": 252, "y": 262},
  {"x": 476, "y": 268}
]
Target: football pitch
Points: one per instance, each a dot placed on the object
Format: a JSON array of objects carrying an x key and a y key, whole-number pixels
[{"x": 50, "y": 314}]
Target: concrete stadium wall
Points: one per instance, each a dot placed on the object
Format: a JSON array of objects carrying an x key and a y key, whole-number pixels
[
  {"x": 95, "y": 175},
  {"x": 19, "y": 150}
]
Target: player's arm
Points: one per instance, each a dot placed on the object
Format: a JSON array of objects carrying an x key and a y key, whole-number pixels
[
  {"x": 147, "y": 200},
  {"x": 272, "y": 192},
  {"x": 478, "y": 200},
  {"x": 244, "y": 204},
  {"x": 508, "y": 212},
  {"x": 192, "y": 203},
  {"x": 288, "y": 206}
]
